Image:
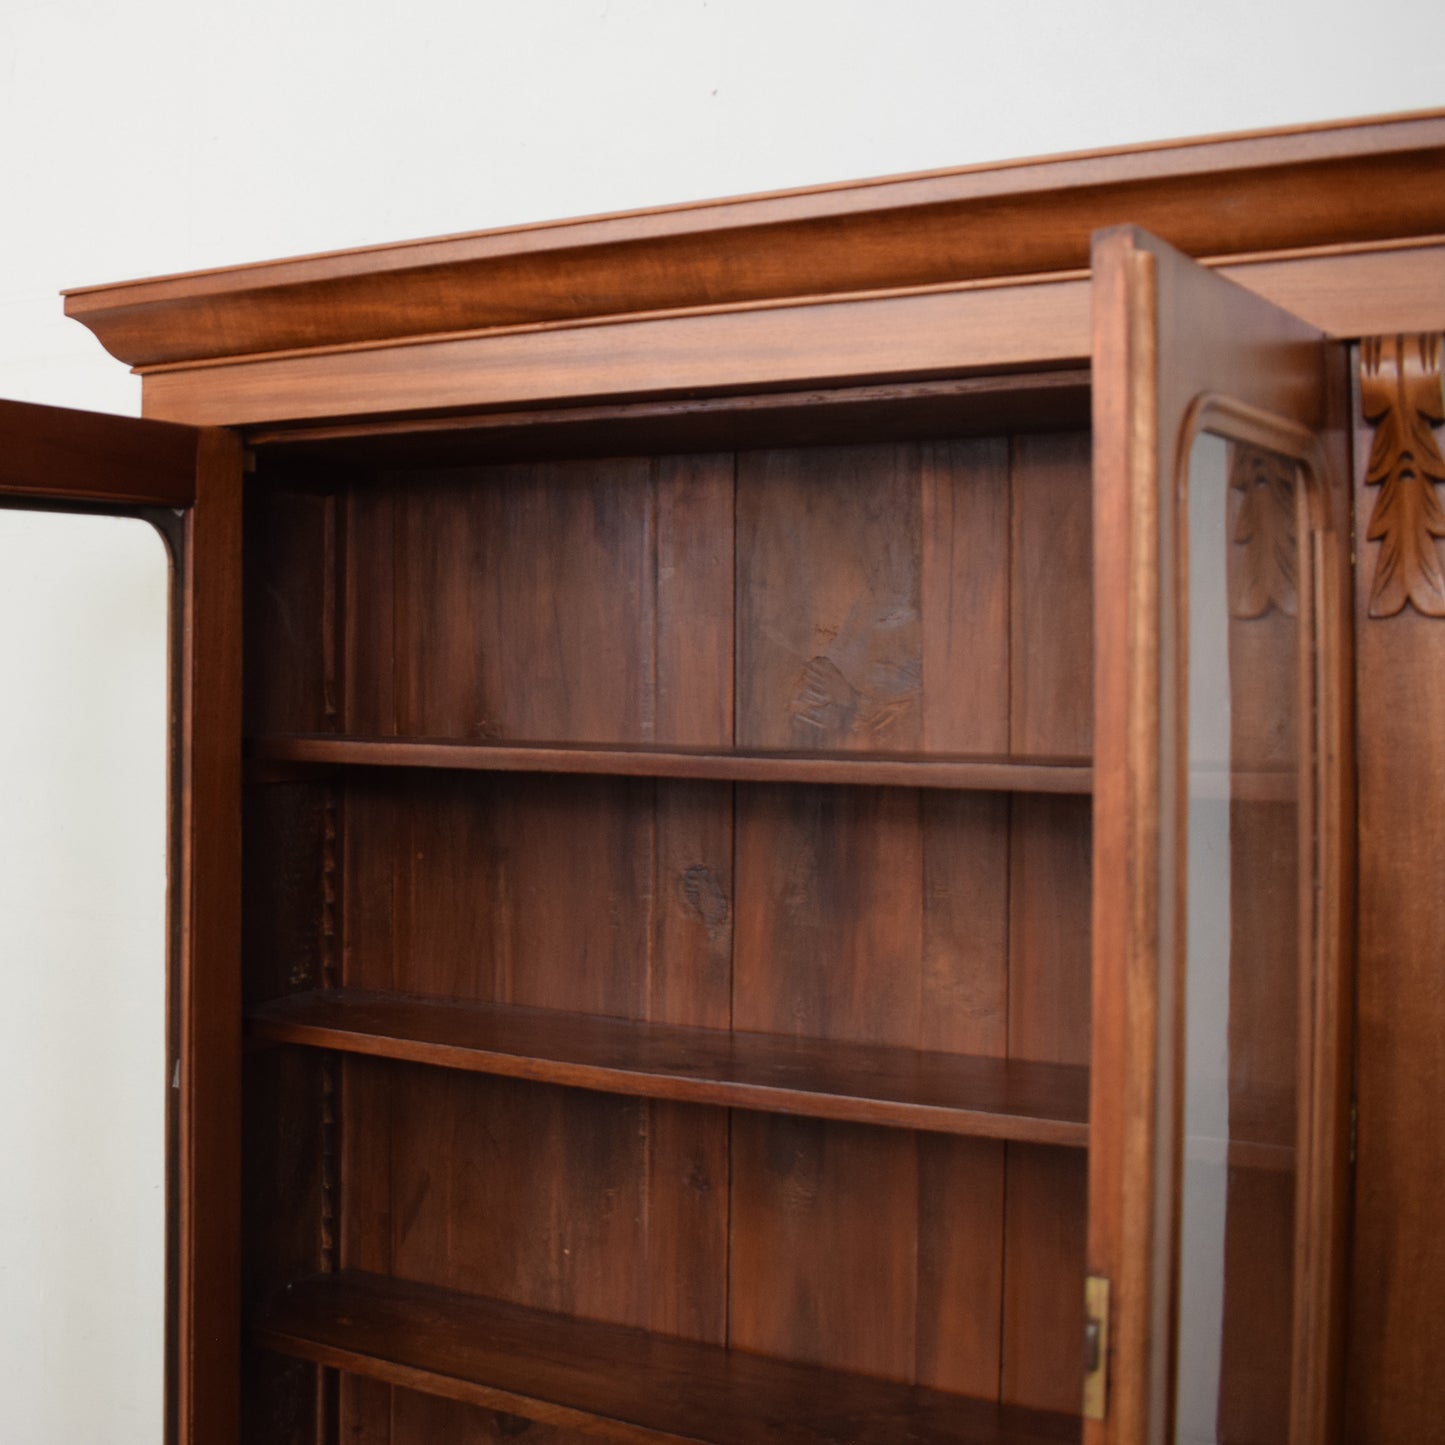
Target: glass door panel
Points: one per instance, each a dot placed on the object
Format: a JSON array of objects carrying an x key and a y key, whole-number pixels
[
  {"x": 1247, "y": 849},
  {"x": 1218, "y": 1153},
  {"x": 85, "y": 605}
]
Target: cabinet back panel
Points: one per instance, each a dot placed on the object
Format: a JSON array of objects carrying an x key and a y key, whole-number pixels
[
  {"x": 601, "y": 895},
  {"x": 899, "y": 596},
  {"x": 893, "y": 597}
]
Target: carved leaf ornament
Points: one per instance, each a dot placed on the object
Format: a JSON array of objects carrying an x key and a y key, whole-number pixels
[
  {"x": 1400, "y": 388},
  {"x": 1264, "y": 573}
]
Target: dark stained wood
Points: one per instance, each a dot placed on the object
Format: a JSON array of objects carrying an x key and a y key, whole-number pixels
[
  {"x": 1043, "y": 1268},
  {"x": 965, "y": 597},
  {"x": 625, "y": 1383},
  {"x": 1051, "y": 616},
  {"x": 56, "y": 453},
  {"x": 531, "y": 1193},
  {"x": 828, "y": 600},
  {"x": 206, "y": 966},
  {"x": 961, "y": 1094},
  {"x": 1308, "y": 186},
  {"x": 1039, "y": 775},
  {"x": 901, "y": 411},
  {"x": 647, "y": 498}
]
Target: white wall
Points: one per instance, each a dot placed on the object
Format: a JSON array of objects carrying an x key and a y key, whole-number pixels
[{"x": 160, "y": 135}]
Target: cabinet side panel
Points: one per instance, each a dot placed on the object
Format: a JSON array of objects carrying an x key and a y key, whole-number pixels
[{"x": 1396, "y": 1388}]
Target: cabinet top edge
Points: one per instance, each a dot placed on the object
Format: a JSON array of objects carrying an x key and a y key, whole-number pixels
[{"x": 1337, "y": 182}]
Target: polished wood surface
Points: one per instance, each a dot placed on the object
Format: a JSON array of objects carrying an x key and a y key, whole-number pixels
[
  {"x": 1167, "y": 335},
  {"x": 623, "y": 1384},
  {"x": 866, "y": 340},
  {"x": 616, "y": 591},
  {"x": 947, "y": 1093},
  {"x": 1303, "y": 187},
  {"x": 56, "y": 454},
  {"x": 915, "y": 771},
  {"x": 1396, "y": 1390},
  {"x": 205, "y": 981}
]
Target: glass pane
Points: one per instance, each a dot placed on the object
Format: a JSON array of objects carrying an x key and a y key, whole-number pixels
[
  {"x": 1243, "y": 944},
  {"x": 83, "y": 743}
]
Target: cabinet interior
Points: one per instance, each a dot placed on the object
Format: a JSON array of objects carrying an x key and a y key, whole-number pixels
[{"x": 666, "y": 901}]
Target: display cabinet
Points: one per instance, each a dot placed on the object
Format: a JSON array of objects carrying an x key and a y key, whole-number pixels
[{"x": 765, "y": 840}]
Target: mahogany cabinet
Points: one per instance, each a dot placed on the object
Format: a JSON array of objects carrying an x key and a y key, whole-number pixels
[{"x": 766, "y": 845}]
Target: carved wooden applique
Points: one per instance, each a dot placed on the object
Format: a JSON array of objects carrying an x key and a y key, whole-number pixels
[
  {"x": 1400, "y": 388},
  {"x": 1265, "y": 533}
]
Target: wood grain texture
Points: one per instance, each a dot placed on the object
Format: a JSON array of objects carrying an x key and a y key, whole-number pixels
[
  {"x": 949, "y": 1093},
  {"x": 907, "y": 410},
  {"x": 206, "y": 967},
  {"x": 57, "y": 453},
  {"x": 917, "y": 770},
  {"x": 620, "y": 1383},
  {"x": 1242, "y": 194},
  {"x": 1166, "y": 333},
  {"x": 1395, "y": 1389},
  {"x": 1401, "y": 393}
]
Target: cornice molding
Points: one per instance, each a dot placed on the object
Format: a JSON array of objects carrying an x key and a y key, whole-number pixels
[{"x": 1259, "y": 196}]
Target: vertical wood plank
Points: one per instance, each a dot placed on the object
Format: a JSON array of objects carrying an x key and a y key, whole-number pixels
[
  {"x": 1049, "y": 1002},
  {"x": 694, "y": 569},
  {"x": 1051, "y": 616},
  {"x": 1045, "y": 1229},
  {"x": 829, "y": 930},
  {"x": 369, "y": 608},
  {"x": 965, "y": 981},
  {"x": 1051, "y": 624},
  {"x": 824, "y": 1241},
  {"x": 965, "y": 550},
  {"x": 828, "y": 635},
  {"x": 960, "y": 1264},
  {"x": 207, "y": 967}
]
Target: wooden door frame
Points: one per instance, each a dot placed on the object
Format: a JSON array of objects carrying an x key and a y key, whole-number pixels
[
  {"x": 1152, "y": 372},
  {"x": 84, "y": 461}
]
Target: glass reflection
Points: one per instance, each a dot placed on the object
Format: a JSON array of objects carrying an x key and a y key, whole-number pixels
[
  {"x": 1243, "y": 945},
  {"x": 84, "y": 692}
]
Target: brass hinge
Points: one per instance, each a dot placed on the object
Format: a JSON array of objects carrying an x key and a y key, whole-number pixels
[{"x": 1096, "y": 1346}]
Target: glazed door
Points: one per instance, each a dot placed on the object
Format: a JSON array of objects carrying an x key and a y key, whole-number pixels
[
  {"x": 1219, "y": 1106},
  {"x": 119, "y": 474}
]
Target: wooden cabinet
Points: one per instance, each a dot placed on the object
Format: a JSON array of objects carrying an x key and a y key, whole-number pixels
[{"x": 732, "y": 785}]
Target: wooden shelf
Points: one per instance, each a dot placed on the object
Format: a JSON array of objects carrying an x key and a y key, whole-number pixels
[
  {"x": 623, "y": 1384},
  {"x": 1025, "y": 775},
  {"x": 865, "y": 1083}
]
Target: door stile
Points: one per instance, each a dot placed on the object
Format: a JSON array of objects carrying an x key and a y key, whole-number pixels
[
  {"x": 1125, "y": 1100},
  {"x": 1178, "y": 351},
  {"x": 207, "y": 967}
]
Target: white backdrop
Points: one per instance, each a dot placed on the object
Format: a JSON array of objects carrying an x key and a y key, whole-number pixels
[{"x": 159, "y": 135}]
